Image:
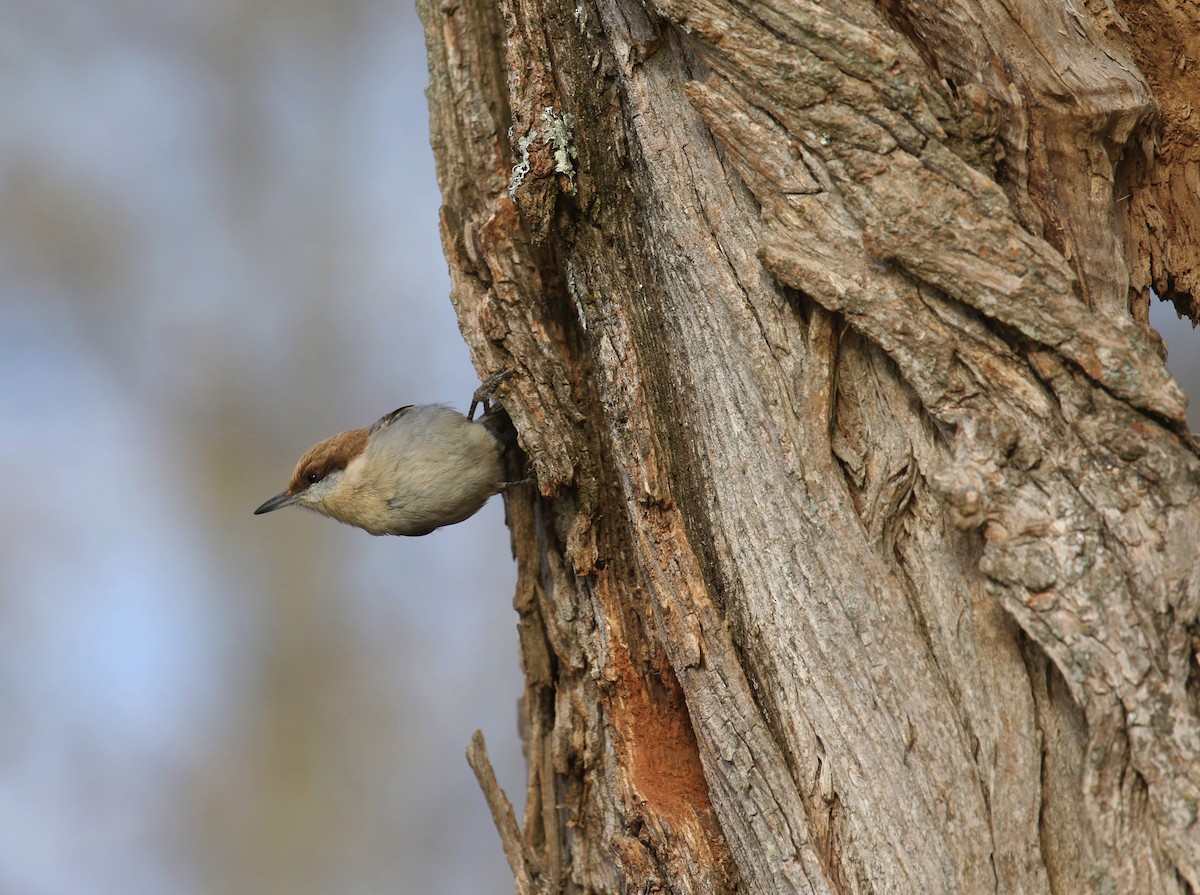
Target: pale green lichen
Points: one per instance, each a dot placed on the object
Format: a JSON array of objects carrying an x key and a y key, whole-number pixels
[
  {"x": 560, "y": 129},
  {"x": 557, "y": 134},
  {"x": 521, "y": 168}
]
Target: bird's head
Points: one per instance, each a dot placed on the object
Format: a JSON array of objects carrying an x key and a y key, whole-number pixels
[{"x": 320, "y": 472}]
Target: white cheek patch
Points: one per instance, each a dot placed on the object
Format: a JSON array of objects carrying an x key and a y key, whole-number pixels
[{"x": 317, "y": 493}]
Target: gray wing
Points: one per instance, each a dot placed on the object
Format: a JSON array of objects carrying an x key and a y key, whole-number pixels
[{"x": 388, "y": 418}]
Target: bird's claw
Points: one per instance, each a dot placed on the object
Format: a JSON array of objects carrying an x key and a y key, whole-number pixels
[{"x": 484, "y": 393}]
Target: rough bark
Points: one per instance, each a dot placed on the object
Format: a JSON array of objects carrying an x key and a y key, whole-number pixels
[{"x": 863, "y": 553}]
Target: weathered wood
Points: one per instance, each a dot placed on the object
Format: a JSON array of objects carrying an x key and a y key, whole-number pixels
[
  {"x": 1160, "y": 169},
  {"x": 515, "y": 849},
  {"x": 864, "y": 557}
]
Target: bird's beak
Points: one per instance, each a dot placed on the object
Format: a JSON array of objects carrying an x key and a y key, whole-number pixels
[{"x": 279, "y": 500}]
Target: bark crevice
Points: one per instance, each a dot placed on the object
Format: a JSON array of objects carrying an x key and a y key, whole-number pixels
[{"x": 795, "y": 584}]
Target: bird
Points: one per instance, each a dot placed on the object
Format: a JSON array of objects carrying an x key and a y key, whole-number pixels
[{"x": 417, "y": 469}]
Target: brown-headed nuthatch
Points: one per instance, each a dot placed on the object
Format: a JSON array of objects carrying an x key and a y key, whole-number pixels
[{"x": 417, "y": 469}]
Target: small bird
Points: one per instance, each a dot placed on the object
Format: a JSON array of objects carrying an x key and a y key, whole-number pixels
[{"x": 418, "y": 468}]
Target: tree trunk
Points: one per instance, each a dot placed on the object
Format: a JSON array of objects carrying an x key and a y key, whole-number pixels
[{"x": 863, "y": 553}]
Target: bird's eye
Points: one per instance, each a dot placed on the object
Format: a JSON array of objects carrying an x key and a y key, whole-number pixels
[{"x": 312, "y": 478}]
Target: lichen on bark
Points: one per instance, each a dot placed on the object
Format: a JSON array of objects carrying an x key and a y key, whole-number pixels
[{"x": 863, "y": 552}]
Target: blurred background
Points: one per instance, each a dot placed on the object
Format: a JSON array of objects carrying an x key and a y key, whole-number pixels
[{"x": 218, "y": 245}]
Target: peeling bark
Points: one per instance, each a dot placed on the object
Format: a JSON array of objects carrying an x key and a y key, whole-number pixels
[{"x": 863, "y": 553}]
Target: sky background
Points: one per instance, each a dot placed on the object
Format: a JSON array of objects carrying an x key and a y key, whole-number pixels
[{"x": 218, "y": 245}]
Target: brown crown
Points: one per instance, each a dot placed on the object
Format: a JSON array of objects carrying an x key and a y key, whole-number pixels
[{"x": 332, "y": 453}]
